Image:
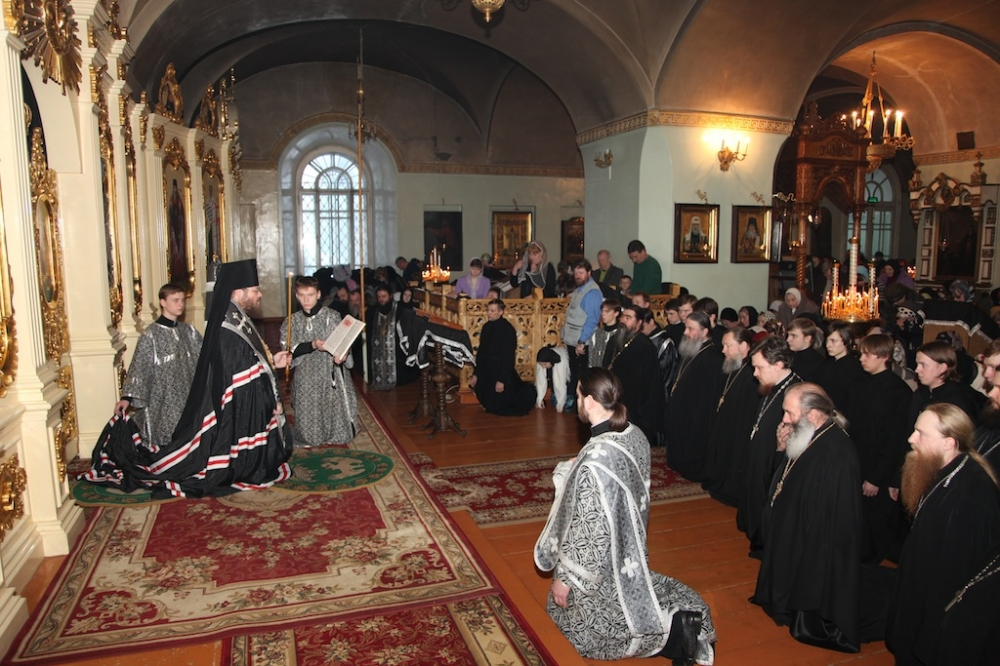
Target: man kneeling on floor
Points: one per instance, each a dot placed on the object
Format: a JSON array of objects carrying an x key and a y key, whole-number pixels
[{"x": 604, "y": 598}]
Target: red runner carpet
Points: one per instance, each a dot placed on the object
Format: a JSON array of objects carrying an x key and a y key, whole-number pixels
[{"x": 163, "y": 575}]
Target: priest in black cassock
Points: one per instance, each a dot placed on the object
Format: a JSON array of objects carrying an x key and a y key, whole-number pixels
[
  {"x": 810, "y": 575},
  {"x": 726, "y": 446},
  {"x": 952, "y": 495},
  {"x": 772, "y": 367},
  {"x": 387, "y": 367},
  {"x": 693, "y": 397},
  {"x": 638, "y": 369},
  {"x": 498, "y": 387},
  {"x": 232, "y": 433},
  {"x": 805, "y": 339},
  {"x": 877, "y": 411}
]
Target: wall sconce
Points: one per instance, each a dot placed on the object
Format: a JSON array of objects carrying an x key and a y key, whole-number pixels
[
  {"x": 727, "y": 156},
  {"x": 604, "y": 160}
]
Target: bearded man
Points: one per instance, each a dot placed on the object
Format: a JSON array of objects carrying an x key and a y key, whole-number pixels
[
  {"x": 232, "y": 434},
  {"x": 693, "y": 397},
  {"x": 638, "y": 369},
  {"x": 726, "y": 446},
  {"x": 952, "y": 495},
  {"x": 772, "y": 367},
  {"x": 583, "y": 315},
  {"x": 810, "y": 576},
  {"x": 604, "y": 598},
  {"x": 387, "y": 367}
]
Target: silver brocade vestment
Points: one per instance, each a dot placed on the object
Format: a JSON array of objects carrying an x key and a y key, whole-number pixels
[{"x": 159, "y": 378}]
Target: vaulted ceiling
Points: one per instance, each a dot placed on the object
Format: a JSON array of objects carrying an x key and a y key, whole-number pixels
[{"x": 602, "y": 60}]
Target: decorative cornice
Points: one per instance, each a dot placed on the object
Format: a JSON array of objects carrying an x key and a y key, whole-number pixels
[
  {"x": 656, "y": 117},
  {"x": 957, "y": 156}
]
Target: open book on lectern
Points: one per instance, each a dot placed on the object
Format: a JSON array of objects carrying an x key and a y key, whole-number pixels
[{"x": 340, "y": 340}]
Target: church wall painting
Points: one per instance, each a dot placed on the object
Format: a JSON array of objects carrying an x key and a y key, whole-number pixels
[
  {"x": 751, "y": 234},
  {"x": 443, "y": 230},
  {"x": 177, "y": 209},
  {"x": 696, "y": 233},
  {"x": 572, "y": 239},
  {"x": 511, "y": 232},
  {"x": 213, "y": 196}
]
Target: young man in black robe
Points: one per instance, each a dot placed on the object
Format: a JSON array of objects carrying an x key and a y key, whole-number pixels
[
  {"x": 772, "y": 367},
  {"x": 693, "y": 397},
  {"x": 726, "y": 446},
  {"x": 809, "y": 575},
  {"x": 805, "y": 339},
  {"x": 952, "y": 495},
  {"x": 638, "y": 369},
  {"x": 232, "y": 433},
  {"x": 669, "y": 360},
  {"x": 877, "y": 407},
  {"x": 498, "y": 387}
]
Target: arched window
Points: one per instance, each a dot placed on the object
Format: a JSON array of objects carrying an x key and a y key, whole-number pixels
[
  {"x": 332, "y": 230},
  {"x": 876, "y": 223}
]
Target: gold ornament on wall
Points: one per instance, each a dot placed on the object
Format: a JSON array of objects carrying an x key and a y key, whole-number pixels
[
  {"x": 199, "y": 149},
  {"x": 48, "y": 249},
  {"x": 132, "y": 191},
  {"x": 13, "y": 11},
  {"x": 8, "y": 337},
  {"x": 235, "y": 167},
  {"x": 110, "y": 209},
  {"x": 177, "y": 215},
  {"x": 208, "y": 115},
  {"x": 159, "y": 136},
  {"x": 50, "y": 36},
  {"x": 13, "y": 483},
  {"x": 67, "y": 431},
  {"x": 169, "y": 101}
]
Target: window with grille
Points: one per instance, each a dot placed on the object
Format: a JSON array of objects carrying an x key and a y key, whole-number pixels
[
  {"x": 332, "y": 230},
  {"x": 876, "y": 223}
]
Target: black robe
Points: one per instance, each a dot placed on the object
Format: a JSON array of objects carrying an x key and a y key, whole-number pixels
[
  {"x": 638, "y": 369},
  {"x": 957, "y": 525},
  {"x": 669, "y": 361},
  {"x": 228, "y": 439},
  {"x": 675, "y": 332},
  {"x": 809, "y": 365},
  {"x": 838, "y": 375},
  {"x": 762, "y": 459},
  {"x": 961, "y": 395},
  {"x": 691, "y": 409},
  {"x": 495, "y": 362},
  {"x": 810, "y": 575},
  {"x": 988, "y": 445},
  {"x": 726, "y": 446},
  {"x": 387, "y": 370},
  {"x": 971, "y": 627}
]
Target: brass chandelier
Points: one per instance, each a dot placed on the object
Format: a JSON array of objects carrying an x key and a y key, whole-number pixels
[
  {"x": 883, "y": 146},
  {"x": 487, "y": 7}
]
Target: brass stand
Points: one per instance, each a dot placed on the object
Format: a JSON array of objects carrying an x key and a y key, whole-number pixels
[
  {"x": 425, "y": 407},
  {"x": 441, "y": 420}
]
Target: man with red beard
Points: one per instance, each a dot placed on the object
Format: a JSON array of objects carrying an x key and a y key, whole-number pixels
[{"x": 952, "y": 495}]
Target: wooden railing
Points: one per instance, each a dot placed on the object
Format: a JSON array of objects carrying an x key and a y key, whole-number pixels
[{"x": 538, "y": 323}]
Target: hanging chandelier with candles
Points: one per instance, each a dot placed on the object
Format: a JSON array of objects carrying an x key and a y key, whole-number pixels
[
  {"x": 892, "y": 137},
  {"x": 487, "y": 7}
]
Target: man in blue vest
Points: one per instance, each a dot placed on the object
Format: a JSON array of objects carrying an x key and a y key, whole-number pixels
[{"x": 582, "y": 317}]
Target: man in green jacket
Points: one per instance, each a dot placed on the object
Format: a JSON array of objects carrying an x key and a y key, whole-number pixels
[{"x": 646, "y": 275}]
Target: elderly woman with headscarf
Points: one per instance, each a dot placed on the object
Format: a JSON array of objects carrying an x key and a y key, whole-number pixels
[
  {"x": 534, "y": 270},
  {"x": 795, "y": 305}
]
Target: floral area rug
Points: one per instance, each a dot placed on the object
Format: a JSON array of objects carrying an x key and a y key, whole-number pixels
[
  {"x": 522, "y": 489},
  {"x": 476, "y": 632},
  {"x": 160, "y": 575}
]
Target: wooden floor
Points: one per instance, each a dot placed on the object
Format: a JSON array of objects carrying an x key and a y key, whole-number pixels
[{"x": 695, "y": 541}]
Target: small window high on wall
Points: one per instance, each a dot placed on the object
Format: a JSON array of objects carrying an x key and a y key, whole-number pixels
[
  {"x": 876, "y": 223},
  {"x": 332, "y": 228}
]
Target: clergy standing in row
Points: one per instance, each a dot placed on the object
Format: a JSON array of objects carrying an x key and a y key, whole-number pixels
[{"x": 693, "y": 397}]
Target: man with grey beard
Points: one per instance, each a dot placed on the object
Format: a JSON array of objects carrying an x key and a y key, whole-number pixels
[
  {"x": 810, "y": 572},
  {"x": 693, "y": 398}
]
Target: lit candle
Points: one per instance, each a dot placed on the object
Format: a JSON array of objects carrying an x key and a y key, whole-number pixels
[
  {"x": 885, "y": 123},
  {"x": 854, "y": 120},
  {"x": 899, "y": 124},
  {"x": 288, "y": 328}
]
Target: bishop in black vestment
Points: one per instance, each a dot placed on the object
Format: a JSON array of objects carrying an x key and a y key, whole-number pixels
[{"x": 638, "y": 369}]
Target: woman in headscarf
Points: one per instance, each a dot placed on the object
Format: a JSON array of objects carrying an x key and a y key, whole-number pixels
[
  {"x": 795, "y": 305},
  {"x": 534, "y": 270}
]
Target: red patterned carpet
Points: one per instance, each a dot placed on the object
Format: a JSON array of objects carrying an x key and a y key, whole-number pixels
[
  {"x": 522, "y": 490},
  {"x": 162, "y": 575}
]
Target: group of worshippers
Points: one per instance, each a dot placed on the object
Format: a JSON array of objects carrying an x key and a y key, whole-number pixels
[
  {"x": 203, "y": 416},
  {"x": 836, "y": 465}
]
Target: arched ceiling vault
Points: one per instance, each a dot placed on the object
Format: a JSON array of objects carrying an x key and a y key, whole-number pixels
[{"x": 604, "y": 61}]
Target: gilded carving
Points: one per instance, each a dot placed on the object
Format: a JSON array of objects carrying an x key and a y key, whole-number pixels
[
  {"x": 96, "y": 81},
  {"x": 159, "y": 136},
  {"x": 133, "y": 218},
  {"x": 13, "y": 11},
  {"x": 67, "y": 431},
  {"x": 13, "y": 483},
  {"x": 169, "y": 101},
  {"x": 50, "y": 37},
  {"x": 235, "y": 167},
  {"x": 109, "y": 189},
  {"x": 8, "y": 335},
  {"x": 208, "y": 116},
  {"x": 114, "y": 26},
  {"x": 48, "y": 249},
  {"x": 199, "y": 149}
]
